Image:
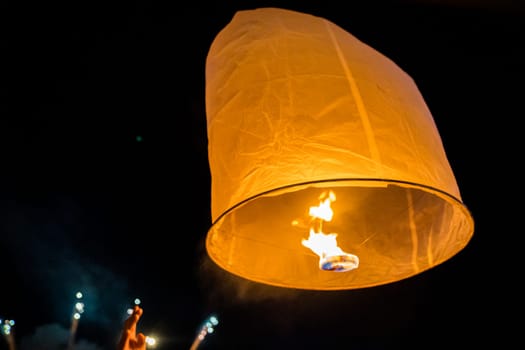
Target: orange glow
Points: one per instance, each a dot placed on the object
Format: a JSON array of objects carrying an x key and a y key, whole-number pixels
[
  {"x": 331, "y": 256},
  {"x": 296, "y": 107}
]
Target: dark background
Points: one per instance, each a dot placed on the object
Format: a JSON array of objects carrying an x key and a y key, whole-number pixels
[{"x": 105, "y": 185}]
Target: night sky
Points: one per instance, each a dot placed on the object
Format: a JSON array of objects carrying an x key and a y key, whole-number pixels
[{"x": 105, "y": 184}]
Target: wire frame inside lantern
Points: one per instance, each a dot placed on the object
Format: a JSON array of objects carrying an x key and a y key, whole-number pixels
[{"x": 300, "y": 111}]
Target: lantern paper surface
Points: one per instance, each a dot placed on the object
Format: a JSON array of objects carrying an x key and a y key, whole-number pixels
[{"x": 298, "y": 108}]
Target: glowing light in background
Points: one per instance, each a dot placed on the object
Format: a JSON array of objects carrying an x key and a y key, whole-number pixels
[
  {"x": 6, "y": 327},
  {"x": 78, "y": 310},
  {"x": 7, "y": 331},
  {"x": 137, "y": 301},
  {"x": 206, "y": 329},
  {"x": 151, "y": 341}
]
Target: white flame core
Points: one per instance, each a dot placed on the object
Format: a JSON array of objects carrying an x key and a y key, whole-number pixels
[{"x": 331, "y": 256}]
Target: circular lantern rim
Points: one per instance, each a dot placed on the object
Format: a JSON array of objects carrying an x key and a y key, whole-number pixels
[
  {"x": 365, "y": 182},
  {"x": 362, "y": 182}
]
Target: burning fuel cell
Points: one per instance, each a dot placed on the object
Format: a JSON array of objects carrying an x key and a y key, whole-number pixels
[{"x": 331, "y": 256}]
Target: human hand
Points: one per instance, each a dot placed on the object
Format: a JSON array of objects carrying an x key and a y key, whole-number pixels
[{"x": 130, "y": 339}]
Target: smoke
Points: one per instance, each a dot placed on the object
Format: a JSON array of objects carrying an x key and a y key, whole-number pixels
[
  {"x": 225, "y": 287},
  {"x": 53, "y": 337},
  {"x": 42, "y": 240}
]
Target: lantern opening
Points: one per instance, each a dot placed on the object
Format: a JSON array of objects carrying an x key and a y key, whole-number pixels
[{"x": 331, "y": 256}]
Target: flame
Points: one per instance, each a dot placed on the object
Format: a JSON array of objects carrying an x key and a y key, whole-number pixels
[
  {"x": 331, "y": 256},
  {"x": 324, "y": 210}
]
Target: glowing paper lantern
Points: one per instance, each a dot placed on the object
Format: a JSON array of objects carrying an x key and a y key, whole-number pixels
[{"x": 312, "y": 136}]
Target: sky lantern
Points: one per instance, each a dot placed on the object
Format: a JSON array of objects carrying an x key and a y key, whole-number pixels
[{"x": 327, "y": 169}]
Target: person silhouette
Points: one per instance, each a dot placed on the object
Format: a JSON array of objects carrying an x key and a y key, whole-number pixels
[{"x": 129, "y": 338}]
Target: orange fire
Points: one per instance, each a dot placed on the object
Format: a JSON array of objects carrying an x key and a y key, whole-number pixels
[{"x": 331, "y": 257}]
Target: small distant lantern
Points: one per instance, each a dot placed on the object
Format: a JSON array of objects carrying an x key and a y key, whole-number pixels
[{"x": 327, "y": 169}]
